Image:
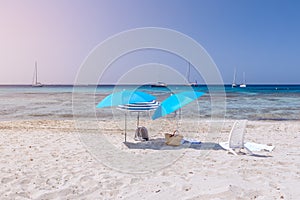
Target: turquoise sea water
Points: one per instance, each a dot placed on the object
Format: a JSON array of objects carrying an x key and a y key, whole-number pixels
[{"x": 256, "y": 102}]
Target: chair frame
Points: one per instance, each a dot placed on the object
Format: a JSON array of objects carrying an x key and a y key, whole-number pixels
[{"x": 237, "y": 131}]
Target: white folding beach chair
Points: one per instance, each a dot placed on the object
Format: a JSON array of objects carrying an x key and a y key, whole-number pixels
[{"x": 236, "y": 138}]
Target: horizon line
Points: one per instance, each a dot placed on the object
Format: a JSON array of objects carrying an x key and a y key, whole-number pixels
[{"x": 129, "y": 84}]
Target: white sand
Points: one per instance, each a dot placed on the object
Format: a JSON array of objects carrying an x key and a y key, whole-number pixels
[{"x": 47, "y": 160}]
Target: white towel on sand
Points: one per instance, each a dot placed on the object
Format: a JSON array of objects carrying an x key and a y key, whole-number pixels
[
  {"x": 258, "y": 147},
  {"x": 190, "y": 140}
]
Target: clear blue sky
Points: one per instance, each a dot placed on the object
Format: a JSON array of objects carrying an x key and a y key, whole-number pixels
[{"x": 260, "y": 37}]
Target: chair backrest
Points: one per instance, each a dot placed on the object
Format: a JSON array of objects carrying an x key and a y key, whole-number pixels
[{"x": 236, "y": 137}]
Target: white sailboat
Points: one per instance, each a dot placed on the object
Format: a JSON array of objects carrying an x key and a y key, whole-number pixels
[
  {"x": 234, "y": 79},
  {"x": 194, "y": 84},
  {"x": 243, "y": 85},
  {"x": 35, "y": 82}
]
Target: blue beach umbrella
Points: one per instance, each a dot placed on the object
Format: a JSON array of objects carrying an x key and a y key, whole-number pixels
[
  {"x": 125, "y": 97},
  {"x": 175, "y": 102}
]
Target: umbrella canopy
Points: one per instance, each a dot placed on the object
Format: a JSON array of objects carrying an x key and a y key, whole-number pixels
[
  {"x": 125, "y": 97},
  {"x": 140, "y": 107},
  {"x": 174, "y": 102}
]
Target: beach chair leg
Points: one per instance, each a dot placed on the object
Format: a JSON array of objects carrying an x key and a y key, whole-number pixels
[
  {"x": 125, "y": 126},
  {"x": 232, "y": 151}
]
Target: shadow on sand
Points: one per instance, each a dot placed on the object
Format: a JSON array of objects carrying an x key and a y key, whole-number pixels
[{"x": 159, "y": 144}]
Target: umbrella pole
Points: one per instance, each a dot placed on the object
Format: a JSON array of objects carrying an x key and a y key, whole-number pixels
[
  {"x": 177, "y": 123},
  {"x": 138, "y": 119},
  {"x": 179, "y": 118},
  {"x": 125, "y": 125}
]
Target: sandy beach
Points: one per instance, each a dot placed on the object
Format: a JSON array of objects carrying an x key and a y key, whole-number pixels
[{"x": 48, "y": 160}]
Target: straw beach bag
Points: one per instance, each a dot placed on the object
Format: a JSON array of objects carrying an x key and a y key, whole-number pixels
[{"x": 173, "y": 139}]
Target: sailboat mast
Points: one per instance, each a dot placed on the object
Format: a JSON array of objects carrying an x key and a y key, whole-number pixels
[
  {"x": 189, "y": 71},
  {"x": 234, "y": 78},
  {"x": 35, "y": 77},
  {"x": 36, "y": 72}
]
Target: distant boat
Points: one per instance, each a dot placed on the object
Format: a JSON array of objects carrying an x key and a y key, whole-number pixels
[
  {"x": 35, "y": 82},
  {"x": 193, "y": 84},
  {"x": 159, "y": 84},
  {"x": 234, "y": 79},
  {"x": 243, "y": 85}
]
